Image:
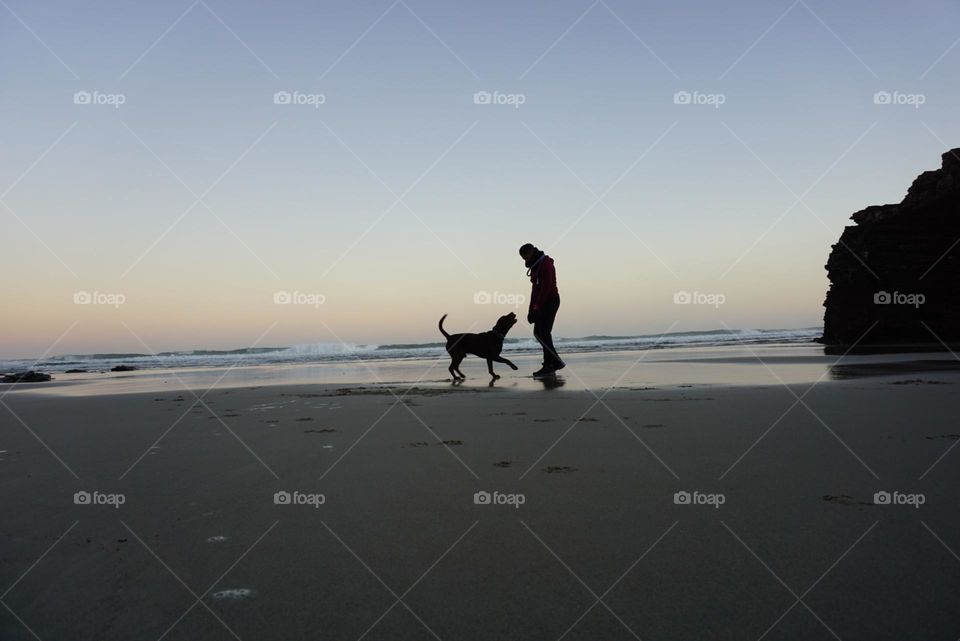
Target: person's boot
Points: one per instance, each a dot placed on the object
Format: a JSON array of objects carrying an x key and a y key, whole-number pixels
[{"x": 546, "y": 370}]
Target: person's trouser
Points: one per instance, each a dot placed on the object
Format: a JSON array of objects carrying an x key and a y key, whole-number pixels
[{"x": 542, "y": 329}]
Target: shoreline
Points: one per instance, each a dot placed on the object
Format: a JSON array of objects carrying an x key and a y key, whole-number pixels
[{"x": 715, "y": 365}]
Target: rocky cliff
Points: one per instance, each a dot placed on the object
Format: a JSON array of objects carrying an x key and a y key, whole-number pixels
[{"x": 899, "y": 267}]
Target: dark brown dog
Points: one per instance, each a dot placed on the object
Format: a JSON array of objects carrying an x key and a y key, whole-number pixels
[{"x": 486, "y": 345}]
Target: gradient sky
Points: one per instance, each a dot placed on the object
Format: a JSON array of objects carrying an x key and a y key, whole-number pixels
[{"x": 297, "y": 198}]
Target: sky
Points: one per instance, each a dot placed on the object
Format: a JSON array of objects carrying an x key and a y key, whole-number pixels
[{"x": 212, "y": 175}]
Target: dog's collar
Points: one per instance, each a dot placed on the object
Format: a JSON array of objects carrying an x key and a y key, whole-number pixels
[{"x": 502, "y": 336}]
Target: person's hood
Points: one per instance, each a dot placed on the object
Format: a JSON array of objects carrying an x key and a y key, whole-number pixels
[{"x": 533, "y": 262}]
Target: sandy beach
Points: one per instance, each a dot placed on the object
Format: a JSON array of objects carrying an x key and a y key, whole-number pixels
[
  {"x": 352, "y": 511},
  {"x": 456, "y": 321}
]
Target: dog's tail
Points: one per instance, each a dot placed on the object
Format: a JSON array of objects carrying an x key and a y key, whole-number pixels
[{"x": 443, "y": 331}]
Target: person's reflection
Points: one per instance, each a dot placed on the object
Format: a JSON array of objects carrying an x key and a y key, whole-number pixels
[{"x": 552, "y": 382}]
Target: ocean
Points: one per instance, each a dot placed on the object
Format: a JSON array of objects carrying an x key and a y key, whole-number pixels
[{"x": 345, "y": 352}]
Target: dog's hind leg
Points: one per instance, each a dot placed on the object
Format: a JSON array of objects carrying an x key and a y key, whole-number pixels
[{"x": 455, "y": 366}]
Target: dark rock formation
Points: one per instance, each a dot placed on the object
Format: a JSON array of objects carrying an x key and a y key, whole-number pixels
[
  {"x": 124, "y": 368},
  {"x": 898, "y": 269},
  {"x": 26, "y": 377}
]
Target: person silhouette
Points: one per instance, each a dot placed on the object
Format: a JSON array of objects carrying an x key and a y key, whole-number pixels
[{"x": 544, "y": 303}]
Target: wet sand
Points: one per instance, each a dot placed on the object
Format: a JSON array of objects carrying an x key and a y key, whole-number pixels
[
  {"x": 743, "y": 364},
  {"x": 188, "y": 540}
]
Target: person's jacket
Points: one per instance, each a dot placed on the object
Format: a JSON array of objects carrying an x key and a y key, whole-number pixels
[{"x": 543, "y": 276}]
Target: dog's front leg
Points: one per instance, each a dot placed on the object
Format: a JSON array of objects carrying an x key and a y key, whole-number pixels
[
  {"x": 490, "y": 368},
  {"x": 501, "y": 359}
]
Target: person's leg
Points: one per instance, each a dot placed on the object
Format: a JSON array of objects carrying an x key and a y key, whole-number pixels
[{"x": 543, "y": 332}]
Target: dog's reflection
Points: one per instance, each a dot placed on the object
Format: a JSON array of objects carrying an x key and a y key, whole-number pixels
[{"x": 548, "y": 382}]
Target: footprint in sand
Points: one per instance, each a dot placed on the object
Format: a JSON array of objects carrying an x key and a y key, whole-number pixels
[
  {"x": 418, "y": 444},
  {"x": 217, "y": 539},
  {"x": 843, "y": 499},
  {"x": 544, "y": 420},
  {"x": 652, "y": 425},
  {"x": 587, "y": 420},
  {"x": 503, "y": 464},
  {"x": 559, "y": 469},
  {"x": 304, "y": 419},
  {"x": 450, "y": 443},
  {"x": 322, "y": 430}
]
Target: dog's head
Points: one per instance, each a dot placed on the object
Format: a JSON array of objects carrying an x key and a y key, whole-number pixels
[{"x": 505, "y": 322}]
